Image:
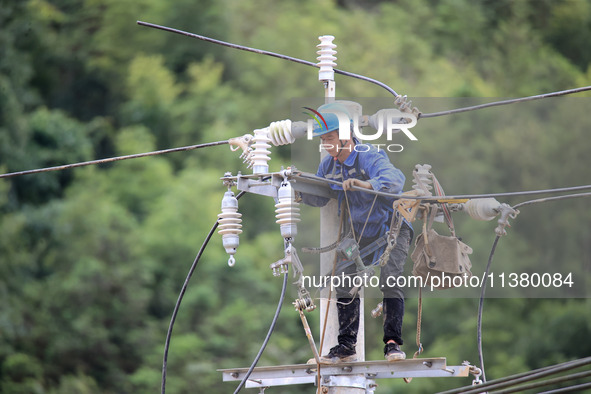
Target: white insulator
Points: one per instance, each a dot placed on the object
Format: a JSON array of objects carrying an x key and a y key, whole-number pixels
[
  {"x": 230, "y": 225},
  {"x": 423, "y": 178},
  {"x": 280, "y": 133},
  {"x": 482, "y": 208},
  {"x": 326, "y": 60},
  {"x": 287, "y": 211},
  {"x": 260, "y": 154}
]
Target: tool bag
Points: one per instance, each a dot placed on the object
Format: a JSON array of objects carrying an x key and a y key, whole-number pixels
[{"x": 438, "y": 256}]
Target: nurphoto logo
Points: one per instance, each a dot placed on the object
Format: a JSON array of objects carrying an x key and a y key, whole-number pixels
[{"x": 385, "y": 121}]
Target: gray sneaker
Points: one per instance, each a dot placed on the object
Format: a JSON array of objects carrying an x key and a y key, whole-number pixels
[
  {"x": 392, "y": 352},
  {"x": 340, "y": 354}
]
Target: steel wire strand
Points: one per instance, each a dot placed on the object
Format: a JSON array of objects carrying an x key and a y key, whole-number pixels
[
  {"x": 268, "y": 53},
  {"x": 271, "y": 328},
  {"x": 112, "y": 159},
  {"x": 180, "y": 298}
]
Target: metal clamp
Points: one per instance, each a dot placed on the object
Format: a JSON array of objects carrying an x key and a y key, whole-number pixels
[{"x": 506, "y": 213}]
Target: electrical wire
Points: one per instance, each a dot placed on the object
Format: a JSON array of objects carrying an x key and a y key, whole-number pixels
[
  {"x": 268, "y": 53},
  {"x": 505, "y": 102},
  {"x": 555, "y": 198},
  {"x": 520, "y": 378},
  {"x": 304, "y": 175},
  {"x": 271, "y": 328},
  {"x": 180, "y": 298},
  {"x": 362, "y": 77},
  {"x": 481, "y": 306},
  {"x": 487, "y": 271},
  {"x": 112, "y": 159}
]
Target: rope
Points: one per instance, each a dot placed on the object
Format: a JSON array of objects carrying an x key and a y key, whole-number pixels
[
  {"x": 350, "y": 216},
  {"x": 180, "y": 298},
  {"x": 418, "y": 337},
  {"x": 271, "y": 328},
  {"x": 112, "y": 159},
  {"x": 367, "y": 219}
]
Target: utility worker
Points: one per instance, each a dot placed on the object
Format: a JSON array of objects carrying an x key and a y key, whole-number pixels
[{"x": 368, "y": 168}]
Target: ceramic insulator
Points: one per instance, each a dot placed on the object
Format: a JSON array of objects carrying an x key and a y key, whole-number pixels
[
  {"x": 422, "y": 178},
  {"x": 280, "y": 133},
  {"x": 482, "y": 208},
  {"x": 326, "y": 60},
  {"x": 260, "y": 154},
  {"x": 287, "y": 211},
  {"x": 230, "y": 224}
]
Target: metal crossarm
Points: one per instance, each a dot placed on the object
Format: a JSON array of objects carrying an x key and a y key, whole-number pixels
[{"x": 306, "y": 373}]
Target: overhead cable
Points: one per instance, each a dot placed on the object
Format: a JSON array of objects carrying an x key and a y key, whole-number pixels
[
  {"x": 555, "y": 198},
  {"x": 480, "y": 308},
  {"x": 446, "y": 198},
  {"x": 271, "y": 328},
  {"x": 112, "y": 159},
  {"x": 505, "y": 102},
  {"x": 180, "y": 298},
  {"x": 520, "y": 378},
  {"x": 268, "y": 53}
]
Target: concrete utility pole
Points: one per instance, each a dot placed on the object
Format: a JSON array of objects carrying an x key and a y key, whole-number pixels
[{"x": 329, "y": 229}]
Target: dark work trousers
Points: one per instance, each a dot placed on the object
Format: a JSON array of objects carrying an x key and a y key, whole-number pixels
[{"x": 348, "y": 308}]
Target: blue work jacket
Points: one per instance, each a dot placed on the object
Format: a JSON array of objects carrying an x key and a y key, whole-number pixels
[{"x": 374, "y": 167}]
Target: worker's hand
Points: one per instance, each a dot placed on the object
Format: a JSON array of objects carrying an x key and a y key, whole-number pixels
[{"x": 349, "y": 183}]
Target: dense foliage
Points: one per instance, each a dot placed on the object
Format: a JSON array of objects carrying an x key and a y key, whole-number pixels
[{"x": 92, "y": 259}]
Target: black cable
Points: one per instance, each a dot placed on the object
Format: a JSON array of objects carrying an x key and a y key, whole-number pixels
[
  {"x": 505, "y": 102},
  {"x": 111, "y": 159},
  {"x": 520, "y": 378},
  {"x": 271, "y": 328},
  {"x": 546, "y": 382},
  {"x": 180, "y": 298},
  {"x": 521, "y": 204},
  {"x": 436, "y": 198},
  {"x": 480, "y": 307},
  {"x": 268, "y": 53}
]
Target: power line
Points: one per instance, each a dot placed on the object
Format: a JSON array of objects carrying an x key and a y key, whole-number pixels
[
  {"x": 271, "y": 328},
  {"x": 520, "y": 378},
  {"x": 505, "y": 102},
  {"x": 268, "y": 53},
  {"x": 112, "y": 159},
  {"x": 556, "y": 198},
  {"x": 180, "y": 298},
  {"x": 445, "y": 198},
  {"x": 481, "y": 307}
]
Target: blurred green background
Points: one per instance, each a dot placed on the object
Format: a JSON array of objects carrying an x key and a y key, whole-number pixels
[{"x": 92, "y": 260}]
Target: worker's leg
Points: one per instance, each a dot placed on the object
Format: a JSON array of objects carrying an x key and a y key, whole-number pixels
[{"x": 394, "y": 295}]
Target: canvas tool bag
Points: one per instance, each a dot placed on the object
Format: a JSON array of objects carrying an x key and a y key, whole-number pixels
[{"x": 439, "y": 256}]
